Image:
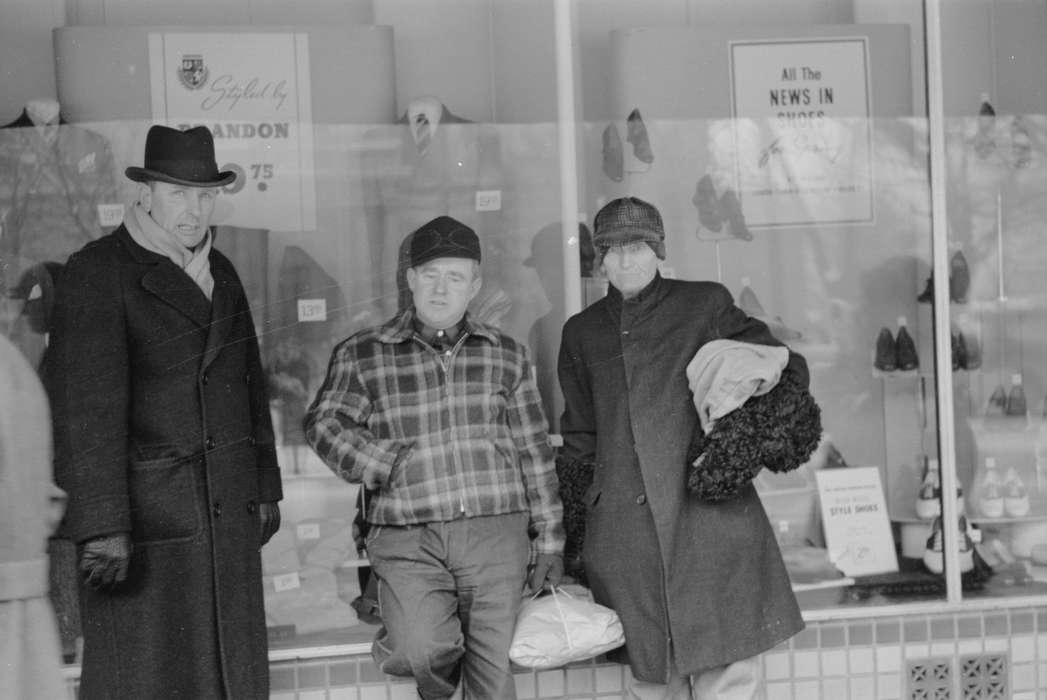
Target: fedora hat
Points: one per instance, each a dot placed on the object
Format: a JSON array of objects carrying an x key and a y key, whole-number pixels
[{"x": 181, "y": 158}]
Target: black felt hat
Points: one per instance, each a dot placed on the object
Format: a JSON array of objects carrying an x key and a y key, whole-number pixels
[
  {"x": 181, "y": 158},
  {"x": 444, "y": 237}
]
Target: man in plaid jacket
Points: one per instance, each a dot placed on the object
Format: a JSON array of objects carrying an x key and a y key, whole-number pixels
[{"x": 440, "y": 416}]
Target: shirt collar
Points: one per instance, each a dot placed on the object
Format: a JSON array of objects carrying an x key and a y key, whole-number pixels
[
  {"x": 402, "y": 328},
  {"x": 645, "y": 298}
]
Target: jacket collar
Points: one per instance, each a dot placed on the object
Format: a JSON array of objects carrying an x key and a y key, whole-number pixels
[
  {"x": 646, "y": 300},
  {"x": 401, "y": 328}
]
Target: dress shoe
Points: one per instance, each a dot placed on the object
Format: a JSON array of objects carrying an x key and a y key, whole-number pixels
[
  {"x": 886, "y": 352},
  {"x": 906, "y": 350},
  {"x": 933, "y": 555},
  {"x": 972, "y": 352},
  {"x": 959, "y": 350},
  {"x": 637, "y": 136},
  {"x": 707, "y": 204},
  {"x": 997, "y": 404},
  {"x": 989, "y": 492},
  {"x": 613, "y": 160},
  {"x": 928, "y": 499},
  {"x": 959, "y": 278},
  {"x": 927, "y": 295},
  {"x": 1016, "y": 405},
  {"x": 1015, "y": 495}
]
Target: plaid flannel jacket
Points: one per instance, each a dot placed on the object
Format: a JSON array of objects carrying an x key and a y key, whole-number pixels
[{"x": 439, "y": 437}]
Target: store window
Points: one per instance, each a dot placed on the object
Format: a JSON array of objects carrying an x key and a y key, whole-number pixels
[{"x": 791, "y": 160}]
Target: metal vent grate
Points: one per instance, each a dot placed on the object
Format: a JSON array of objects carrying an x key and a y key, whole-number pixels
[{"x": 984, "y": 677}]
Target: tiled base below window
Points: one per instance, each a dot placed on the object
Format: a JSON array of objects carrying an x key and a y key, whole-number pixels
[{"x": 968, "y": 656}]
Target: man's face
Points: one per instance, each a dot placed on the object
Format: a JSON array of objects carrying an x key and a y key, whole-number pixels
[
  {"x": 630, "y": 267},
  {"x": 184, "y": 212},
  {"x": 442, "y": 289}
]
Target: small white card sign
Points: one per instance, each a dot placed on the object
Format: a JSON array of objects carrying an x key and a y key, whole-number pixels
[{"x": 854, "y": 516}]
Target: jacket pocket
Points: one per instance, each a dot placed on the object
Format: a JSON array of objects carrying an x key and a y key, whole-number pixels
[{"x": 164, "y": 503}]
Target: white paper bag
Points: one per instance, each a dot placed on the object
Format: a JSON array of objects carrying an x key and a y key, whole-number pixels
[{"x": 556, "y": 629}]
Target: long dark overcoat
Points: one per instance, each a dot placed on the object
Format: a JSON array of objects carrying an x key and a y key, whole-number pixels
[
  {"x": 702, "y": 580},
  {"x": 162, "y": 429}
]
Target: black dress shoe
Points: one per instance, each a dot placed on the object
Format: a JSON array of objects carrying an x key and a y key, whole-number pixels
[
  {"x": 959, "y": 278},
  {"x": 906, "y": 350},
  {"x": 927, "y": 295},
  {"x": 886, "y": 352}
]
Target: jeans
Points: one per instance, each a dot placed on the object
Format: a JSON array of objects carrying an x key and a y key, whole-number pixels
[{"x": 448, "y": 595}]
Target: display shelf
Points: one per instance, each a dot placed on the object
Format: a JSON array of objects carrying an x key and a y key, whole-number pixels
[{"x": 1015, "y": 304}]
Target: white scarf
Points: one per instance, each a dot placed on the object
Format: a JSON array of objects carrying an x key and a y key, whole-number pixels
[{"x": 196, "y": 263}]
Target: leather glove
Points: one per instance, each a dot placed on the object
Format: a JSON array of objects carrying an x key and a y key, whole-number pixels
[
  {"x": 104, "y": 560},
  {"x": 546, "y": 572},
  {"x": 268, "y": 521}
]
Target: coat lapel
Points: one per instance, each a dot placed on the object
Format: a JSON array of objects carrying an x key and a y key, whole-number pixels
[
  {"x": 223, "y": 310},
  {"x": 175, "y": 287}
]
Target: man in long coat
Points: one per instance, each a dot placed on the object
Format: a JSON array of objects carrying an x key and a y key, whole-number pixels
[
  {"x": 701, "y": 588},
  {"x": 163, "y": 442}
]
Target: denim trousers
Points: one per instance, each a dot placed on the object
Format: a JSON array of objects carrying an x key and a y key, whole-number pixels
[{"x": 448, "y": 595}]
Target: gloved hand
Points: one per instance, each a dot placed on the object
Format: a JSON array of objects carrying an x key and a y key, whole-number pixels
[
  {"x": 104, "y": 560},
  {"x": 546, "y": 572},
  {"x": 268, "y": 521}
]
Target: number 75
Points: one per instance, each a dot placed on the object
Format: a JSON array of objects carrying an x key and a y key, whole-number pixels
[{"x": 262, "y": 171}]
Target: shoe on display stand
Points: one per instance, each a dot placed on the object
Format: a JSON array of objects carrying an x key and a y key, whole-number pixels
[
  {"x": 637, "y": 135},
  {"x": 927, "y": 295},
  {"x": 972, "y": 352},
  {"x": 933, "y": 555},
  {"x": 1016, "y": 405},
  {"x": 1015, "y": 495},
  {"x": 928, "y": 498},
  {"x": 959, "y": 278},
  {"x": 989, "y": 491},
  {"x": 959, "y": 350},
  {"x": 905, "y": 348},
  {"x": 886, "y": 352},
  {"x": 613, "y": 159},
  {"x": 997, "y": 404}
]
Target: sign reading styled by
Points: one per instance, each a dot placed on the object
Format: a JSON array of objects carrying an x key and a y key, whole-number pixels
[
  {"x": 253, "y": 92},
  {"x": 803, "y": 136},
  {"x": 854, "y": 517}
]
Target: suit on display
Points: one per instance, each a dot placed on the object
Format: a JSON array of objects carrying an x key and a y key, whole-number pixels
[
  {"x": 53, "y": 177},
  {"x": 431, "y": 162}
]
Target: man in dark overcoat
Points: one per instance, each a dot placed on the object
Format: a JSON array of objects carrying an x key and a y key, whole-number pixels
[
  {"x": 701, "y": 588},
  {"x": 164, "y": 443}
]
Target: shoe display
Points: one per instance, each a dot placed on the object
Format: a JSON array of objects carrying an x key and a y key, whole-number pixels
[
  {"x": 933, "y": 557},
  {"x": 1015, "y": 496},
  {"x": 613, "y": 160},
  {"x": 972, "y": 352},
  {"x": 707, "y": 204},
  {"x": 984, "y": 141},
  {"x": 959, "y": 352},
  {"x": 886, "y": 352},
  {"x": 905, "y": 348},
  {"x": 732, "y": 211},
  {"x": 637, "y": 136},
  {"x": 1016, "y": 405},
  {"x": 959, "y": 278},
  {"x": 989, "y": 492},
  {"x": 928, "y": 499},
  {"x": 927, "y": 295},
  {"x": 997, "y": 404}
]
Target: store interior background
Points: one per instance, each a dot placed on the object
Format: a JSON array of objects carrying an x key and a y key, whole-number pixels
[{"x": 493, "y": 62}]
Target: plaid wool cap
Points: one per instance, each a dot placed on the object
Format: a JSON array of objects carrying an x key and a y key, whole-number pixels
[
  {"x": 626, "y": 220},
  {"x": 444, "y": 237}
]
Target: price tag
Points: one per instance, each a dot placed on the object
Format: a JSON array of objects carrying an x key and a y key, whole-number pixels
[
  {"x": 309, "y": 531},
  {"x": 110, "y": 214},
  {"x": 312, "y": 310},
  {"x": 286, "y": 582},
  {"x": 488, "y": 200}
]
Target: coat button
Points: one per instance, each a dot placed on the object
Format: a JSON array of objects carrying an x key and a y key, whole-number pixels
[
  {"x": 252, "y": 507},
  {"x": 203, "y": 380},
  {"x": 216, "y": 508},
  {"x": 641, "y": 499},
  {"x": 209, "y": 443}
]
